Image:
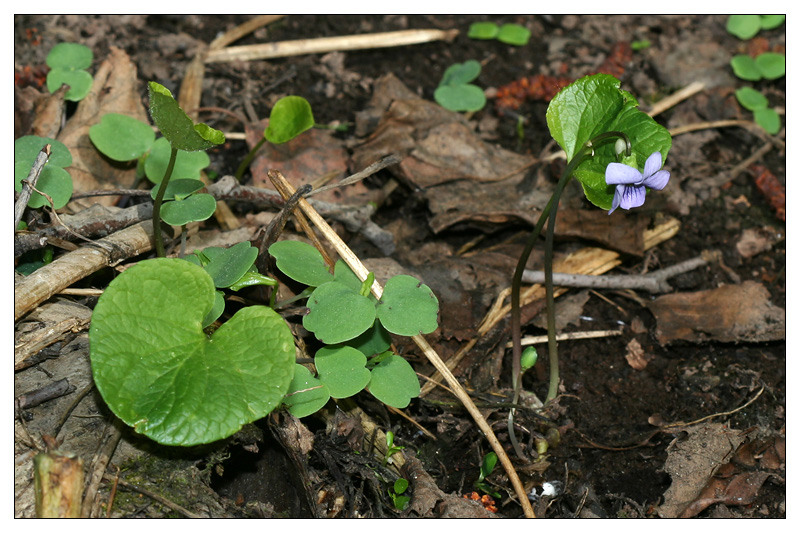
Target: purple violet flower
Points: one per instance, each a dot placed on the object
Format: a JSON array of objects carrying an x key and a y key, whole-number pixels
[{"x": 631, "y": 183}]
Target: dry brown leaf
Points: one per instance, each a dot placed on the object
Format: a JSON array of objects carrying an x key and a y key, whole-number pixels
[
  {"x": 636, "y": 355},
  {"x": 731, "y": 313},
  {"x": 115, "y": 90}
]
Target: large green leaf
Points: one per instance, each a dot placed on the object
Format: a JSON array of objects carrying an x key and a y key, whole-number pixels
[
  {"x": 176, "y": 125},
  {"x": 160, "y": 373}
]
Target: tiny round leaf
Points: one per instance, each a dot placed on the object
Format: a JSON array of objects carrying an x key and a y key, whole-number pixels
[
  {"x": 342, "y": 369},
  {"x": 394, "y": 382},
  {"x": 465, "y": 97},
  {"x": 751, "y": 99},
  {"x": 308, "y": 401},
  {"x": 514, "y": 34},
  {"x": 408, "y": 307},
  {"x": 53, "y": 181},
  {"x": 195, "y": 208},
  {"x": 70, "y": 56},
  {"x": 461, "y": 73},
  {"x": 301, "y": 262},
  {"x": 771, "y": 65},
  {"x": 482, "y": 30},
  {"x": 768, "y": 119},
  {"x": 745, "y": 67},
  {"x": 188, "y": 165},
  {"x": 28, "y": 147},
  {"x": 79, "y": 81},
  {"x": 743, "y": 26},
  {"x": 290, "y": 117},
  {"x": 122, "y": 138},
  {"x": 337, "y": 313}
]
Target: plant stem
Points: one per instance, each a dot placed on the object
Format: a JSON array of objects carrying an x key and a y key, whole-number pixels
[
  {"x": 249, "y": 158},
  {"x": 157, "y": 204},
  {"x": 549, "y": 212}
]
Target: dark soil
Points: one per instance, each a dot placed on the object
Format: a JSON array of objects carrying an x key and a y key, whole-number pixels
[{"x": 611, "y": 456}]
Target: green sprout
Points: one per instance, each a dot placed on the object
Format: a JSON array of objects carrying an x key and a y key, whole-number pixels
[
  {"x": 487, "y": 467},
  {"x": 181, "y": 134},
  {"x": 290, "y": 116},
  {"x": 397, "y": 493},
  {"x": 54, "y": 181},
  {"x": 391, "y": 449},
  {"x": 356, "y": 329},
  {"x": 512, "y": 34},
  {"x": 68, "y": 63},
  {"x": 756, "y": 102},
  {"x": 456, "y": 93}
]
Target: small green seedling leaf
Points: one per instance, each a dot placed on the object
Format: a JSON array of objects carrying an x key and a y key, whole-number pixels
[
  {"x": 188, "y": 165},
  {"x": 195, "y": 208},
  {"x": 179, "y": 189},
  {"x": 307, "y": 394},
  {"x": 394, "y": 382},
  {"x": 122, "y": 138},
  {"x": 770, "y": 22},
  {"x": 400, "y": 486},
  {"x": 365, "y": 287},
  {"x": 751, "y": 99},
  {"x": 483, "y": 30},
  {"x": 461, "y": 73},
  {"x": 528, "y": 358},
  {"x": 176, "y": 125},
  {"x": 514, "y": 34},
  {"x": 301, "y": 262},
  {"x": 465, "y": 97},
  {"x": 745, "y": 67},
  {"x": 771, "y": 65},
  {"x": 226, "y": 266},
  {"x": 67, "y": 62},
  {"x": 337, "y": 313},
  {"x": 28, "y": 147},
  {"x": 53, "y": 181},
  {"x": 158, "y": 371},
  {"x": 743, "y": 26},
  {"x": 408, "y": 307},
  {"x": 373, "y": 341},
  {"x": 79, "y": 81},
  {"x": 342, "y": 369},
  {"x": 70, "y": 56},
  {"x": 290, "y": 117},
  {"x": 640, "y": 45},
  {"x": 768, "y": 119}
]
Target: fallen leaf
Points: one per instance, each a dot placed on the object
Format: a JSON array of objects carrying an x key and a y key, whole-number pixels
[
  {"x": 730, "y": 313},
  {"x": 115, "y": 90},
  {"x": 753, "y": 241},
  {"x": 636, "y": 356}
]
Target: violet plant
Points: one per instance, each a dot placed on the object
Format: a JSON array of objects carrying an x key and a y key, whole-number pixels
[{"x": 605, "y": 137}]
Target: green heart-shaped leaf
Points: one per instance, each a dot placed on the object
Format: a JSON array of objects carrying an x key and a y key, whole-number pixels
[
  {"x": 290, "y": 117},
  {"x": 373, "y": 341},
  {"x": 394, "y": 382},
  {"x": 466, "y": 97},
  {"x": 53, "y": 181},
  {"x": 160, "y": 373},
  {"x": 28, "y": 147},
  {"x": 337, "y": 313},
  {"x": 514, "y": 34},
  {"x": 79, "y": 81},
  {"x": 122, "y": 138},
  {"x": 745, "y": 67},
  {"x": 195, "y": 208},
  {"x": 461, "y": 73},
  {"x": 771, "y": 65},
  {"x": 408, "y": 307},
  {"x": 483, "y": 30},
  {"x": 751, "y": 99},
  {"x": 343, "y": 369},
  {"x": 307, "y": 394},
  {"x": 176, "y": 125},
  {"x": 301, "y": 262},
  {"x": 70, "y": 55}
]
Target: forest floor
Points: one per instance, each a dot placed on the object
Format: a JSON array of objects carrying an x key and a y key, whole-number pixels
[{"x": 679, "y": 409}]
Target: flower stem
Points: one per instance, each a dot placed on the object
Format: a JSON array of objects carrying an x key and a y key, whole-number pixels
[
  {"x": 549, "y": 212},
  {"x": 157, "y": 204}
]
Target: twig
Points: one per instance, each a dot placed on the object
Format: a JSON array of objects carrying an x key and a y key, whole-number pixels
[
  {"x": 676, "y": 97},
  {"x": 575, "y": 335},
  {"x": 361, "y": 272},
  {"x": 654, "y": 282},
  {"x": 327, "y": 44},
  {"x": 29, "y": 183},
  {"x": 384, "y": 162},
  {"x": 150, "y": 494},
  {"x": 108, "y": 444},
  {"x": 52, "y": 390}
]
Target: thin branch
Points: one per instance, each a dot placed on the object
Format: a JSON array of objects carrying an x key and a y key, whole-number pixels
[
  {"x": 29, "y": 183},
  {"x": 654, "y": 282}
]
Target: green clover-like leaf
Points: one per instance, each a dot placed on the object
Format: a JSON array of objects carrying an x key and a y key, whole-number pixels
[
  {"x": 188, "y": 165},
  {"x": 394, "y": 382},
  {"x": 53, "y": 181},
  {"x": 301, "y": 262},
  {"x": 161, "y": 374},
  {"x": 306, "y": 394},
  {"x": 122, "y": 138},
  {"x": 226, "y": 266},
  {"x": 337, "y": 313},
  {"x": 408, "y": 307},
  {"x": 342, "y": 369},
  {"x": 195, "y": 208}
]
